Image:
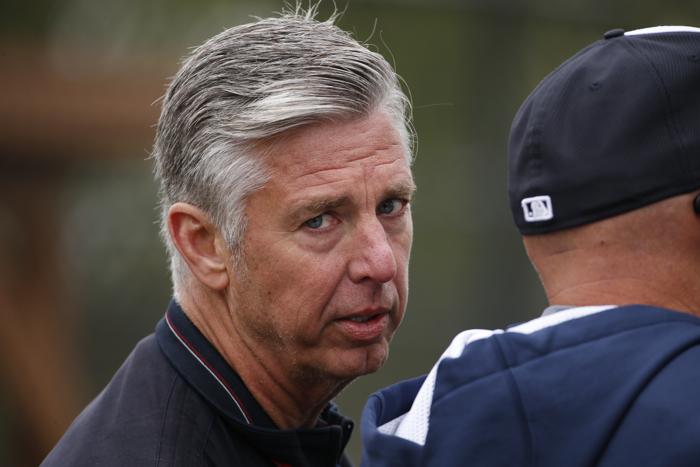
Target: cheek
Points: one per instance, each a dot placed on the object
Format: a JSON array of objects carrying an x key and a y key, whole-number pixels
[
  {"x": 402, "y": 248},
  {"x": 297, "y": 286},
  {"x": 402, "y": 252}
]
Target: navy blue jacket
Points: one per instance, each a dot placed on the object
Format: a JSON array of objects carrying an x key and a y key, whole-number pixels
[
  {"x": 176, "y": 402},
  {"x": 582, "y": 387}
]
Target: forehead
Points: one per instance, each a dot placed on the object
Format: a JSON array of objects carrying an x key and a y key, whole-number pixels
[{"x": 331, "y": 151}]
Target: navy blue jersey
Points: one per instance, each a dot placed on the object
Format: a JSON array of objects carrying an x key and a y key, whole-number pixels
[{"x": 587, "y": 386}]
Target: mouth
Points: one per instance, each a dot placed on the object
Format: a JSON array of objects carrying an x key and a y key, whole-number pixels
[
  {"x": 362, "y": 319},
  {"x": 368, "y": 326}
]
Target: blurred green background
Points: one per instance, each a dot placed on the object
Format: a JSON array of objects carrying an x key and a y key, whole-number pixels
[{"x": 83, "y": 275}]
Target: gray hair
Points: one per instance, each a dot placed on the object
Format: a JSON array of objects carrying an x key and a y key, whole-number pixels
[{"x": 247, "y": 85}]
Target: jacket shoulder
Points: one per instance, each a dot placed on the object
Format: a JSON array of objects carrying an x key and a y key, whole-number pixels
[{"x": 146, "y": 415}]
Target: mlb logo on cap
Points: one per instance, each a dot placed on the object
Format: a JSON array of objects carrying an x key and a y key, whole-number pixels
[
  {"x": 537, "y": 208},
  {"x": 613, "y": 129}
]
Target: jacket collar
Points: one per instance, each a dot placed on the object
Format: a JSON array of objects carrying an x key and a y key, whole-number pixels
[{"x": 203, "y": 368}]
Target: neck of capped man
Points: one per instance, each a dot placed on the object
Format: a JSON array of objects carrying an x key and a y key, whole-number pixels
[
  {"x": 646, "y": 256},
  {"x": 315, "y": 293}
]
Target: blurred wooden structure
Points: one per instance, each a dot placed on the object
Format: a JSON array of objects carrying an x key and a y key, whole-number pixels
[{"x": 49, "y": 122}]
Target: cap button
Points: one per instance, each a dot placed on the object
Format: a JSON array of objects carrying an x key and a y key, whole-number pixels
[{"x": 614, "y": 33}]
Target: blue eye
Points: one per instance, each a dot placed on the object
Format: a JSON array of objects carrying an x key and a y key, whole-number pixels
[
  {"x": 317, "y": 222},
  {"x": 389, "y": 206}
]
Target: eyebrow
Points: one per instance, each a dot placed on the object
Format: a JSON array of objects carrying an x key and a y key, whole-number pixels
[
  {"x": 402, "y": 189},
  {"x": 318, "y": 206}
]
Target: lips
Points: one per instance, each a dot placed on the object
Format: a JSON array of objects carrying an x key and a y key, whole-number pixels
[{"x": 368, "y": 325}]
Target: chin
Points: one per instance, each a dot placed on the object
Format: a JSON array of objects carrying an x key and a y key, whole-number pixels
[{"x": 361, "y": 361}]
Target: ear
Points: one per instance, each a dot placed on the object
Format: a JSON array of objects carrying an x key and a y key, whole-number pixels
[{"x": 200, "y": 244}]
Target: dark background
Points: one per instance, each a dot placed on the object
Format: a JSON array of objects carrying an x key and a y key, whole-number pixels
[{"x": 83, "y": 275}]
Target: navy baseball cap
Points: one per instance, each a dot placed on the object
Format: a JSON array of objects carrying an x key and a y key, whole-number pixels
[{"x": 614, "y": 128}]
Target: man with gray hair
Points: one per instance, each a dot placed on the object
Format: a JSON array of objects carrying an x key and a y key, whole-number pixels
[{"x": 283, "y": 151}]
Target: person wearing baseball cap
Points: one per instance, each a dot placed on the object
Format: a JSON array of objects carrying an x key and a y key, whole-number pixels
[{"x": 604, "y": 183}]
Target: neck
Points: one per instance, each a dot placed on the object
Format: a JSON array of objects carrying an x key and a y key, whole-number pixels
[
  {"x": 291, "y": 401},
  {"x": 621, "y": 277},
  {"x": 647, "y": 256},
  {"x": 289, "y": 396}
]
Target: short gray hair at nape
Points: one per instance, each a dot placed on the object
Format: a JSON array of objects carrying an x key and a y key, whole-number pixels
[{"x": 248, "y": 85}]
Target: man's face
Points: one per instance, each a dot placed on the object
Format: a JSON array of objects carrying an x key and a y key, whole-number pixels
[{"x": 325, "y": 276}]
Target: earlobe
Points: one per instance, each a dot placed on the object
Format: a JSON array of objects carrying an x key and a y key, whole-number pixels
[{"x": 199, "y": 243}]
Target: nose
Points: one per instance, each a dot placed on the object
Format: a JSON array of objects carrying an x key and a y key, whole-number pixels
[{"x": 373, "y": 257}]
